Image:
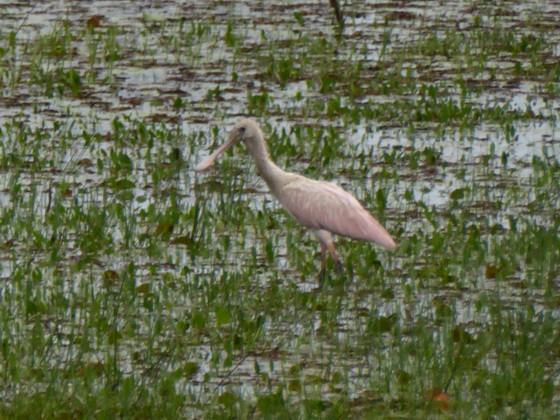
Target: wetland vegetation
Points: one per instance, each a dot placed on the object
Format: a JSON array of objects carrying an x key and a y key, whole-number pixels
[{"x": 133, "y": 287}]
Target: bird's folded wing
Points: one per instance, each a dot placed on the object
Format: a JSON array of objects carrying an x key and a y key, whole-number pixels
[{"x": 323, "y": 205}]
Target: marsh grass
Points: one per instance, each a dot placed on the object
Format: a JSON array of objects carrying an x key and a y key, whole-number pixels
[{"x": 133, "y": 287}]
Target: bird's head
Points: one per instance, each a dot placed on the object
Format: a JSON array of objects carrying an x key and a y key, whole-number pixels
[{"x": 246, "y": 130}]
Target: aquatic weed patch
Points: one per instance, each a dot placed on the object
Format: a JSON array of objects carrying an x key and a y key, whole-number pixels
[{"x": 133, "y": 286}]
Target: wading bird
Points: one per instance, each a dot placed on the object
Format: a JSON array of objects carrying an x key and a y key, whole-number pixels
[{"x": 322, "y": 206}]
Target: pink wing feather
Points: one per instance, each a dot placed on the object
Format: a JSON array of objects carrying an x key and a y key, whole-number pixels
[{"x": 322, "y": 205}]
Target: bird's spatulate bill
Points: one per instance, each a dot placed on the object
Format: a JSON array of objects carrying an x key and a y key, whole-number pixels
[{"x": 206, "y": 163}]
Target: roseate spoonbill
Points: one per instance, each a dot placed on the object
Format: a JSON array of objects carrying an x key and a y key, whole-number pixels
[{"x": 322, "y": 206}]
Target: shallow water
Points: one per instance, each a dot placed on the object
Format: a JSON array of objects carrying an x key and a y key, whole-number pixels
[{"x": 212, "y": 75}]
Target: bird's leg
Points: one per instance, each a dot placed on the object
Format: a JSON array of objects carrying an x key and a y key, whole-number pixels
[
  {"x": 327, "y": 246},
  {"x": 335, "y": 258},
  {"x": 323, "y": 272}
]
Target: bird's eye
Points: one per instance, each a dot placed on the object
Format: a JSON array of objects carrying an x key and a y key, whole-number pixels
[{"x": 242, "y": 130}]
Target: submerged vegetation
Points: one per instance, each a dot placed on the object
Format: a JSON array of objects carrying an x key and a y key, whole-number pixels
[{"x": 133, "y": 287}]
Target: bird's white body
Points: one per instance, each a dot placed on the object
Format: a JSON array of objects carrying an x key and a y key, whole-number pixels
[{"x": 322, "y": 206}]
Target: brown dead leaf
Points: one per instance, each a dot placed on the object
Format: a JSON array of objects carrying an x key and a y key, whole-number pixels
[
  {"x": 439, "y": 399},
  {"x": 94, "y": 21}
]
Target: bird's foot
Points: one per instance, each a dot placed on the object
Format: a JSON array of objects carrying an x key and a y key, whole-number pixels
[
  {"x": 339, "y": 267},
  {"x": 322, "y": 277}
]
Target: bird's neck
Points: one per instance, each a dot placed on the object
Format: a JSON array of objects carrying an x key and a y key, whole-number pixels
[{"x": 271, "y": 173}]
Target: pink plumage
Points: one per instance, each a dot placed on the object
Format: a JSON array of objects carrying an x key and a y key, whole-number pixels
[{"x": 322, "y": 206}]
